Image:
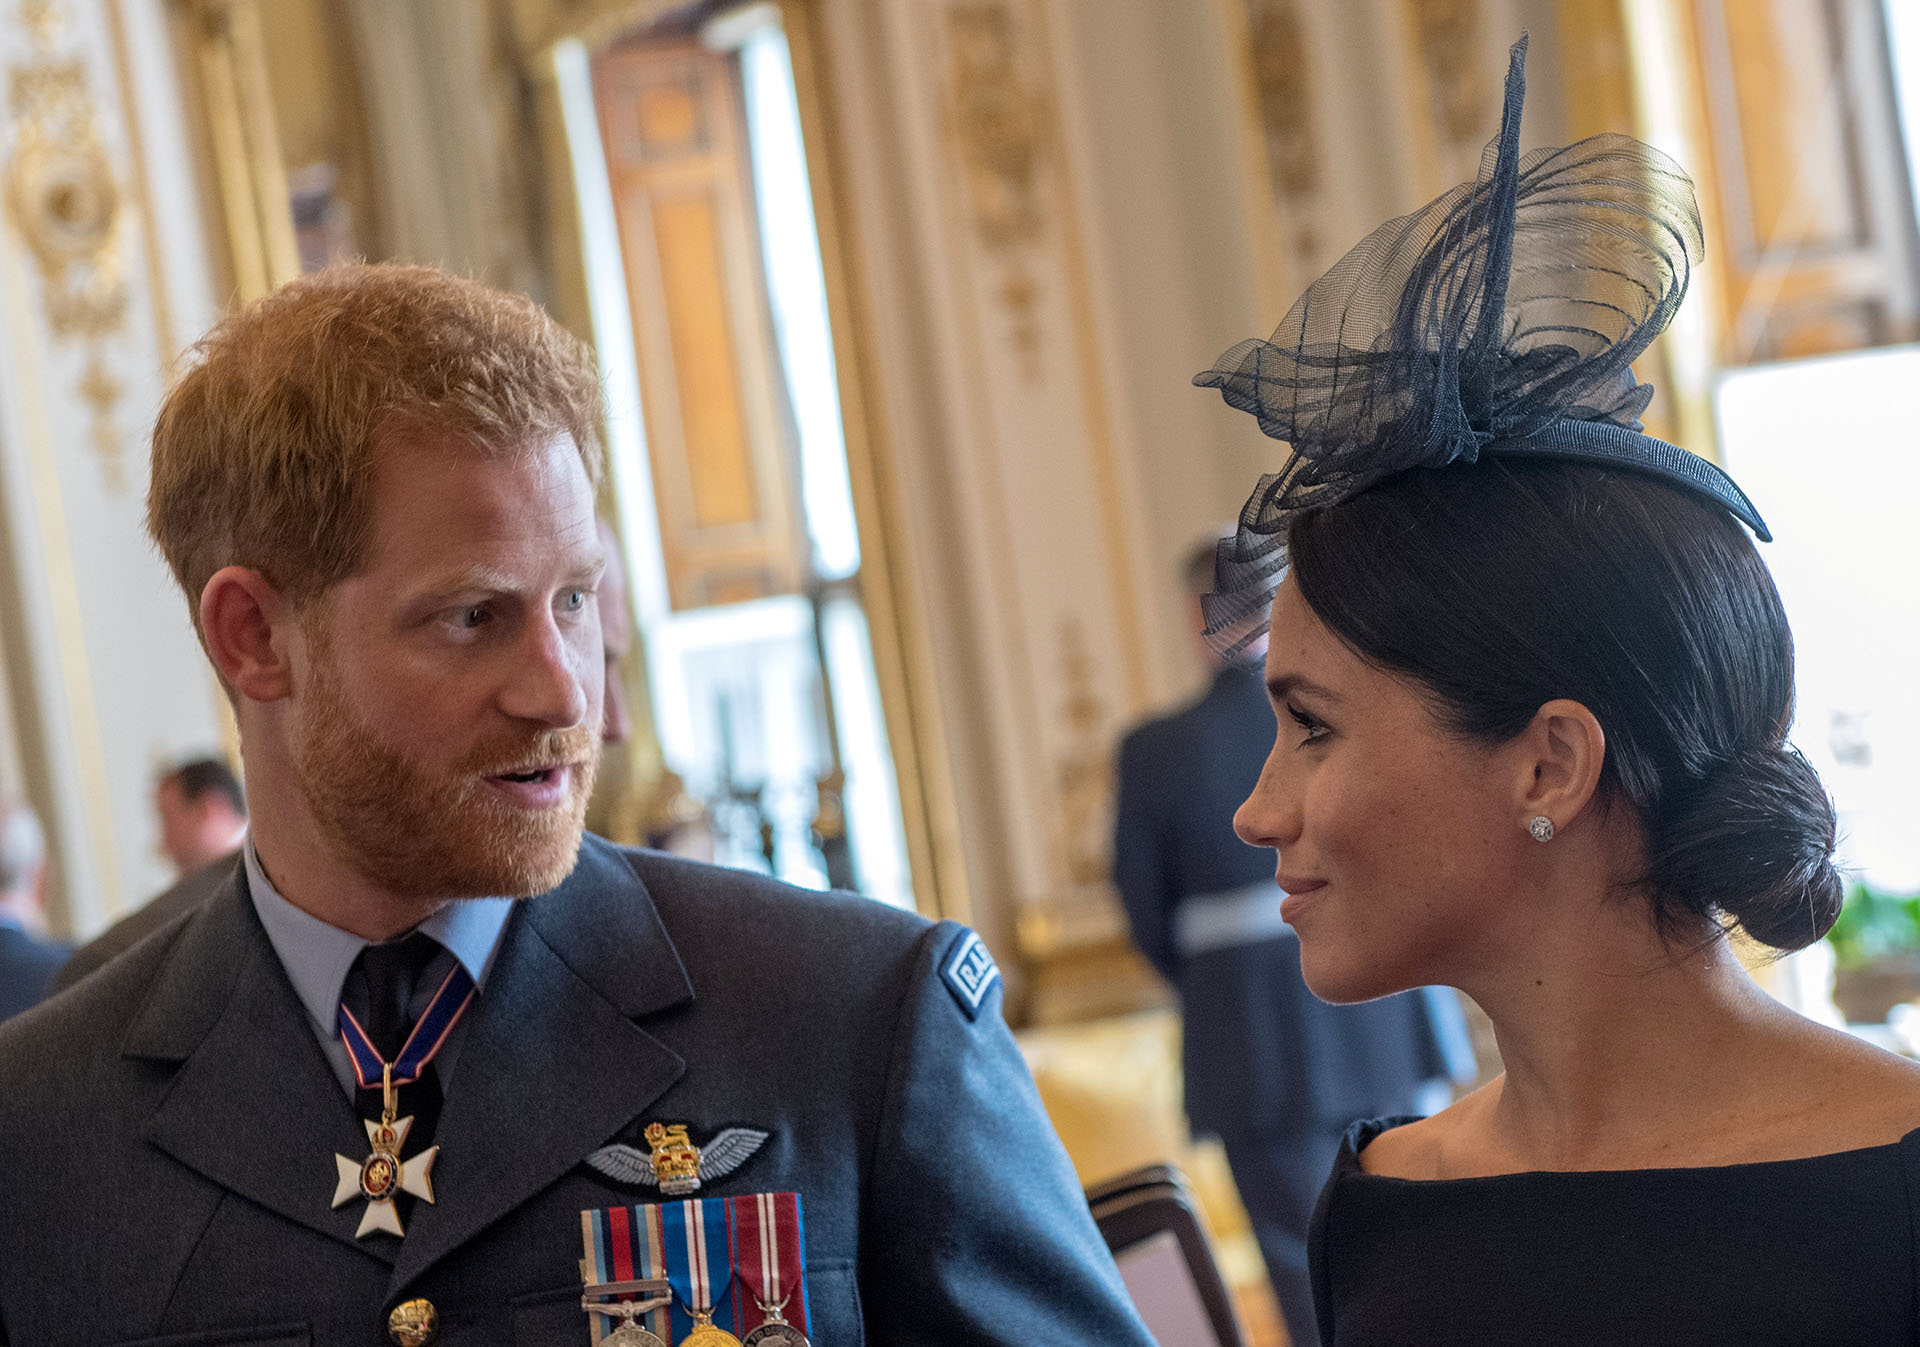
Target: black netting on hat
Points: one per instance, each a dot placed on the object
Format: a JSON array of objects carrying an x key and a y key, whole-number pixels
[{"x": 1501, "y": 318}]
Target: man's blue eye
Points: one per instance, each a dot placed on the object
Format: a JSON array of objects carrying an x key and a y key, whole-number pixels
[{"x": 576, "y": 600}]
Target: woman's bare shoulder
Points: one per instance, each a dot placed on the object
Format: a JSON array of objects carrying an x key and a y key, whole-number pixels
[
  {"x": 1809, "y": 1090},
  {"x": 1835, "y": 1091},
  {"x": 1420, "y": 1150}
]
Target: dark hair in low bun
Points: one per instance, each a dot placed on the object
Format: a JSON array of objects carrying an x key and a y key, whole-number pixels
[
  {"x": 1760, "y": 833},
  {"x": 1508, "y": 583}
]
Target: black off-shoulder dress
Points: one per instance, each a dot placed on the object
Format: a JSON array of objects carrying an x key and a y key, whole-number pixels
[{"x": 1819, "y": 1252}]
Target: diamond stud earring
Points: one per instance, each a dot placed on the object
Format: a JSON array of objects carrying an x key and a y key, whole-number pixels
[{"x": 1541, "y": 827}]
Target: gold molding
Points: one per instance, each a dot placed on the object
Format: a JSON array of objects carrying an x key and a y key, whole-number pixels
[
  {"x": 1095, "y": 392},
  {"x": 159, "y": 294},
  {"x": 1083, "y": 775},
  {"x": 63, "y": 583},
  {"x": 69, "y": 210},
  {"x": 539, "y": 25},
  {"x": 1002, "y": 131},
  {"x": 904, "y": 663},
  {"x": 251, "y": 180},
  {"x": 1447, "y": 38},
  {"x": 1277, "y": 73},
  {"x": 1670, "y": 112}
]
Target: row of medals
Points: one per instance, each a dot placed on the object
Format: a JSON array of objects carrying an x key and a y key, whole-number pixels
[{"x": 775, "y": 1332}]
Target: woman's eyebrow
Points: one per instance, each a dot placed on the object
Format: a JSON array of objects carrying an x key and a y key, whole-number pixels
[{"x": 1281, "y": 686}]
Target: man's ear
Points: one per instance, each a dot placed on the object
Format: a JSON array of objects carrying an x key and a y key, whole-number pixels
[
  {"x": 244, "y": 620},
  {"x": 1563, "y": 751}
]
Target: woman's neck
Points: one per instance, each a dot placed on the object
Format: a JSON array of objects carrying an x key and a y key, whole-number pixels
[{"x": 1620, "y": 1047}]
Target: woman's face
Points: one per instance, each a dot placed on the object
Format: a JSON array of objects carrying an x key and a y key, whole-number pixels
[{"x": 1397, "y": 842}]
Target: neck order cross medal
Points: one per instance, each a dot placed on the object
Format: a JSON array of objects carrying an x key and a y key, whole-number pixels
[{"x": 384, "y": 1174}]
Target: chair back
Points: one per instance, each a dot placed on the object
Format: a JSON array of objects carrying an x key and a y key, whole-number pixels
[{"x": 1152, "y": 1224}]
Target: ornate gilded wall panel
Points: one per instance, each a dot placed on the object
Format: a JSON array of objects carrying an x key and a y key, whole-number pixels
[
  {"x": 104, "y": 673},
  {"x": 993, "y": 368},
  {"x": 66, "y": 204}
]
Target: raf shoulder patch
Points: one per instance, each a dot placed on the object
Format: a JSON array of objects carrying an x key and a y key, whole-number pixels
[{"x": 969, "y": 972}]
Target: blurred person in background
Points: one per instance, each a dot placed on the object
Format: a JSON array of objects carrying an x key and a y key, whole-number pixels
[
  {"x": 616, "y": 638},
  {"x": 1273, "y": 1071},
  {"x": 28, "y": 960},
  {"x": 203, "y": 814},
  {"x": 203, "y": 824}
]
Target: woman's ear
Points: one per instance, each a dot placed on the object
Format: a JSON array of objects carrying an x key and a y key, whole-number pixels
[
  {"x": 243, "y": 619},
  {"x": 1564, "y": 749}
]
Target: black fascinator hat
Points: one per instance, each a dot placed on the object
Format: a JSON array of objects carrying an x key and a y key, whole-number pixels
[{"x": 1501, "y": 319}]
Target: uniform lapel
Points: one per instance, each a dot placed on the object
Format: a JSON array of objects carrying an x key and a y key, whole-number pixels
[
  {"x": 553, "y": 1064},
  {"x": 254, "y": 1106}
]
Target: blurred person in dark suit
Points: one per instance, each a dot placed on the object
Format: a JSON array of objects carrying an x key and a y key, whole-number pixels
[
  {"x": 28, "y": 960},
  {"x": 203, "y": 822},
  {"x": 1273, "y": 1071},
  {"x": 203, "y": 814}
]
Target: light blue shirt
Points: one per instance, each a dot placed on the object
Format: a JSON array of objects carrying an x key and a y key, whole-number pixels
[{"x": 317, "y": 957}]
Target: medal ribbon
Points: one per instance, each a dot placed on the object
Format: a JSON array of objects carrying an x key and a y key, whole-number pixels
[
  {"x": 423, "y": 1044},
  {"x": 769, "y": 1257},
  {"x": 699, "y": 1259},
  {"x": 624, "y": 1244}
]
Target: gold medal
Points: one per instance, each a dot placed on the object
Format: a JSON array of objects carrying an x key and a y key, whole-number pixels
[{"x": 704, "y": 1334}]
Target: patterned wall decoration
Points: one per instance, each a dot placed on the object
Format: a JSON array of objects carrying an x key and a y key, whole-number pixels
[
  {"x": 104, "y": 271},
  {"x": 66, "y": 204},
  {"x": 1002, "y": 126},
  {"x": 1283, "y": 97},
  {"x": 1452, "y": 38},
  {"x": 1085, "y": 770},
  {"x": 992, "y": 356}
]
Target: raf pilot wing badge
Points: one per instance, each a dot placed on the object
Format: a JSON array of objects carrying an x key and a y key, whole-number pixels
[{"x": 674, "y": 1164}]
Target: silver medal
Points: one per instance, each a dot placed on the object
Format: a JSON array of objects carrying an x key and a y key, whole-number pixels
[
  {"x": 631, "y": 1335},
  {"x": 627, "y": 1333}
]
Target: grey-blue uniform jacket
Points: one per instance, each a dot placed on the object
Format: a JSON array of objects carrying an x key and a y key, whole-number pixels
[{"x": 168, "y": 1129}]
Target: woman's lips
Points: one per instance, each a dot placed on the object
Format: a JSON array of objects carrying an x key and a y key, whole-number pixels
[{"x": 1298, "y": 890}]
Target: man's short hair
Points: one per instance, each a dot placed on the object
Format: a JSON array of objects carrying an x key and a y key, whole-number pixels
[
  {"x": 264, "y": 451},
  {"x": 202, "y": 777},
  {"x": 23, "y": 845}
]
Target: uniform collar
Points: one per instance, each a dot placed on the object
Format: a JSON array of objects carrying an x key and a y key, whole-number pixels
[{"x": 317, "y": 955}]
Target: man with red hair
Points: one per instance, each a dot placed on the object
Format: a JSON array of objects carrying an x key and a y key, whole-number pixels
[{"x": 383, "y": 1081}]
